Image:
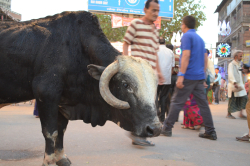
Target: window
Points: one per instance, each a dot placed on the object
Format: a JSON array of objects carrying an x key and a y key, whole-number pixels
[{"x": 239, "y": 6}]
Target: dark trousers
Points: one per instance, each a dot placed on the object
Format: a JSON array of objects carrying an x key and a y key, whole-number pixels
[
  {"x": 217, "y": 94},
  {"x": 164, "y": 95},
  {"x": 179, "y": 98}
]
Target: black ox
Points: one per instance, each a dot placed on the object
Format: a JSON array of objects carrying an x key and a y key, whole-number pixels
[{"x": 67, "y": 64}]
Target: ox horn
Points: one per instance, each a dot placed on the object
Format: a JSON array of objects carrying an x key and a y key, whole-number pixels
[{"x": 106, "y": 76}]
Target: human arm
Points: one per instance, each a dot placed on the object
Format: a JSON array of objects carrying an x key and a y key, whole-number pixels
[
  {"x": 129, "y": 37},
  {"x": 184, "y": 64},
  {"x": 125, "y": 48},
  {"x": 231, "y": 77},
  {"x": 218, "y": 78},
  {"x": 161, "y": 78}
]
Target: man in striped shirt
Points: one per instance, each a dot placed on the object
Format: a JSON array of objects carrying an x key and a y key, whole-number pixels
[{"x": 143, "y": 37}]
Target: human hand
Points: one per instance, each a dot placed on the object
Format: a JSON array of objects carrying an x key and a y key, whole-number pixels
[
  {"x": 161, "y": 79},
  {"x": 205, "y": 84},
  {"x": 179, "y": 82},
  {"x": 236, "y": 86}
]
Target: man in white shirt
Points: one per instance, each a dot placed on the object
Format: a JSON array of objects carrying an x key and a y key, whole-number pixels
[{"x": 166, "y": 61}]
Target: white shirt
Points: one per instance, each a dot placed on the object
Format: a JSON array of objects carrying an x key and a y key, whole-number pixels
[{"x": 166, "y": 62}]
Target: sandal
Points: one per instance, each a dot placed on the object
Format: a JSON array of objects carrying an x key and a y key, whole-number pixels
[
  {"x": 230, "y": 117},
  {"x": 243, "y": 117},
  {"x": 245, "y": 138},
  {"x": 198, "y": 127},
  {"x": 191, "y": 128},
  {"x": 143, "y": 143}
]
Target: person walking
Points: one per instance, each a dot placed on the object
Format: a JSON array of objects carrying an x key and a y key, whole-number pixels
[
  {"x": 246, "y": 137},
  {"x": 192, "y": 116},
  {"x": 143, "y": 37},
  {"x": 236, "y": 89},
  {"x": 35, "y": 112},
  {"x": 167, "y": 62},
  {"x": 217, "y": 83},
  {"x": 222, "y": 90},
  {"x": 191, "y": 79}
]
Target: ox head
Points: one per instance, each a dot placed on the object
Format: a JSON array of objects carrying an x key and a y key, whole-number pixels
[{"x": 133, "y": 84}]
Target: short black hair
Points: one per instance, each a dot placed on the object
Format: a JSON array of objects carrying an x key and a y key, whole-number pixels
[
  {"x": 162, "y": 41},
  {"x": 245, "y": 66},
  {"x": 217, "y": 68},
  {"x": 189, "y": 21},
  {"x": 170, "y": 46},
  {"x": 148, "y": 2},
  {"x": 208, "y": 52}
]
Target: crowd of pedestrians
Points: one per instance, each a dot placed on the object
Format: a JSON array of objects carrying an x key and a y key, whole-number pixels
[{"x": 198, "y": 82}]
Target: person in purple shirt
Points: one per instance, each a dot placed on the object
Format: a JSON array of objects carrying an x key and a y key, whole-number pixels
[{"x": 191, "y": 79}]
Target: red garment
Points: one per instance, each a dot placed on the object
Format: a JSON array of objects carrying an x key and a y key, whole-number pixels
[
  {"x": 247, "y": 87},
  {"x": 192, "y": 115}
]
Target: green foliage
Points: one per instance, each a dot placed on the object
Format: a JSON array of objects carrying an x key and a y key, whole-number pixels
[
  {"x": 182, "y": 8},
  {"x": 113, "y": 34}
]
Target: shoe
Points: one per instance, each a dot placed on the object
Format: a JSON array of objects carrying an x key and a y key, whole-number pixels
[
  {"x": 244, "y": 138},
  {"x": 230, "y": 117},
  {"x": 211, "y": 136},
  {"x": 166, "y": 133},
  {"x": 143, "y": 143}
]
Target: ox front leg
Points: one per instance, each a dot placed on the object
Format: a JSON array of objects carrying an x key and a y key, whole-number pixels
[
  {"x": 61, "y": 159},
  {"x": 48, "y": 113}
]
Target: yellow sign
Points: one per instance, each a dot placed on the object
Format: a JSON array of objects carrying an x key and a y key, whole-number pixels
[
  {"x": 245, "y": 58},
  {"x": 247, "y": 43}
]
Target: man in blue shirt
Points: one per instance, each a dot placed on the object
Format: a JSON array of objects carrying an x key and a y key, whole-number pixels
[
  {"x": 191, "y": 79},
  {"x": 217, "y": 83}
]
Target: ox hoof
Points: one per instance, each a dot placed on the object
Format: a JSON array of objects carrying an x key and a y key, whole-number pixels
[{"x": 64, "y": 162}]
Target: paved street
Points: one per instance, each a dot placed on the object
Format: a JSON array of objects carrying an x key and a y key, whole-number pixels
[{"x": 22, "y": 143}]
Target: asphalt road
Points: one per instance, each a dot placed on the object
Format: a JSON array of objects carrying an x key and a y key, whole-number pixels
[{"x": 22, "y": 143}]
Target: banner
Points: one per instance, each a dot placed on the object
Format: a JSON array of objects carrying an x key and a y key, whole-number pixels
[{"x": 118, "y": 21}]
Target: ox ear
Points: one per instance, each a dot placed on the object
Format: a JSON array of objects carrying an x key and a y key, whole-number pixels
[{"x": 95, "y": 71}]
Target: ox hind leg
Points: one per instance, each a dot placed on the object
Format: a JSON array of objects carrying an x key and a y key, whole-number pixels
[{"x": 61, "y": 159}]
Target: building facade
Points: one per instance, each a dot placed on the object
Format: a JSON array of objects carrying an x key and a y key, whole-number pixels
[
  {"x": 5, "y": 4},
  {"x": 6, "y": 14},
  {"x": 237, "y": 12}
]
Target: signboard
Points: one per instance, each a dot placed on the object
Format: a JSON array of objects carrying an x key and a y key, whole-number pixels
[
  {"x": 118, "y": 21},
  {"x": 223, "y": 50},
  {"x": 245, "y": 58},
  {"x": 130, "y": 7},
  {"x": 248, "y": 43}
]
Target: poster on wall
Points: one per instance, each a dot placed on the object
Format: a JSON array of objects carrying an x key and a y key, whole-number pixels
[
  {"x": 118, "y": 21},
  {"x": 223, "y": 50}
]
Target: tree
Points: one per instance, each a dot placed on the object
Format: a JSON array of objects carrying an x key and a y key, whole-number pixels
[
  {"x": 113, "y": 34},
  {"x": 182, "y": 8}
]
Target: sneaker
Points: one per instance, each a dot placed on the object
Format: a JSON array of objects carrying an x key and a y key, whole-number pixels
[
  {"x": 166, "y": 133},
  {"x": 211, "y": 136},
  {"x": 244, "y": 138},
  {"x": 230, "y": 117}
]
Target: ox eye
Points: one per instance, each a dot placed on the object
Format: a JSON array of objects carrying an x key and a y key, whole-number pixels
[{"x": 125, "y": 85}]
